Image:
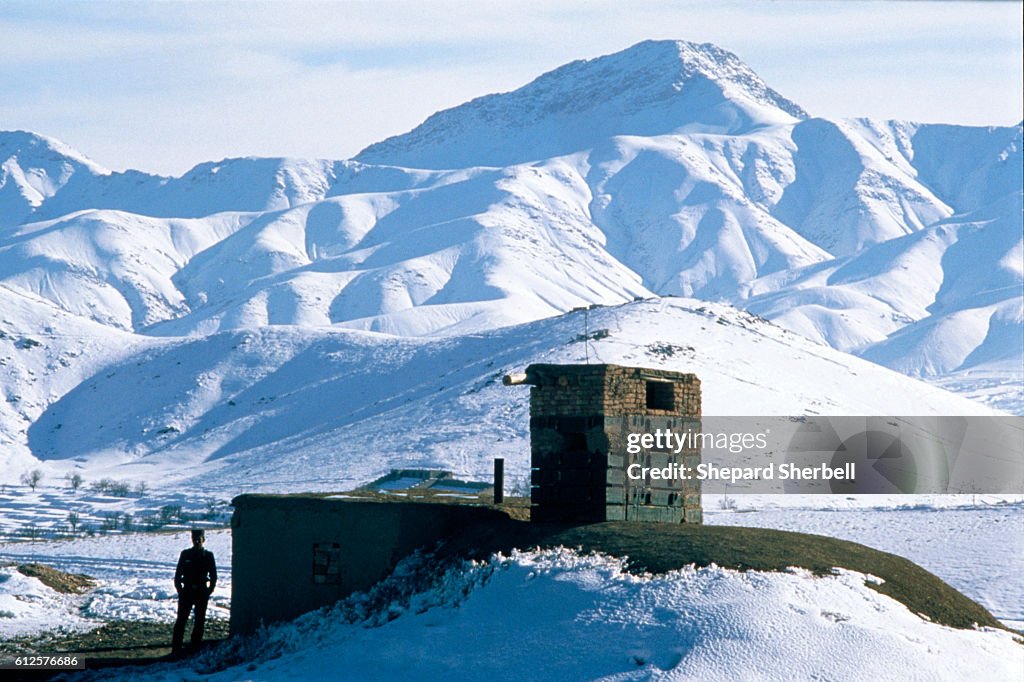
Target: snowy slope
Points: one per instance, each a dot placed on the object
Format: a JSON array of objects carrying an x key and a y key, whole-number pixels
[
  {"x": 44, "y": 353},
  {"x": 886, "y": 295},
  {"x": 951, "y": 543},
  {"x": 970, "y": 167},
  {"x": 289, "y": 409}
]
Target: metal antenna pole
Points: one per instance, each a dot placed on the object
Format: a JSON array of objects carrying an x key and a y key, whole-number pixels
[{"x": 586, "y": 333}]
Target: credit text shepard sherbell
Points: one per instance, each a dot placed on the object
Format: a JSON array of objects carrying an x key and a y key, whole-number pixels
[{"x": 712, "y": 472}]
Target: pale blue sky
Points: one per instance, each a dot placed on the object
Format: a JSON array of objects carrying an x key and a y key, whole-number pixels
[{"x": 161, "y": 86}]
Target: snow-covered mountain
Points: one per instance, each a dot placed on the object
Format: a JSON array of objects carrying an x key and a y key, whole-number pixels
[
  {"x": 945, "y": 298},
  {"x": 34, "y": 169},
  {"x": 197, "y": 317},
  {"x": 652, "y": 89}
]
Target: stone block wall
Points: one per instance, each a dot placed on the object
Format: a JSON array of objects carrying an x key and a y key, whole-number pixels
[
  {"x": 580, "y": 418},
  {"x": 612, "y": 390}
]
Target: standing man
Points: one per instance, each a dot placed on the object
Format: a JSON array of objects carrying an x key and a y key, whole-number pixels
[{"x": 194, "y": 580}]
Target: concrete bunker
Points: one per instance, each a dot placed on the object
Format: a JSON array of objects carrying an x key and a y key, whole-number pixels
[{"x": 296, "y": 553}]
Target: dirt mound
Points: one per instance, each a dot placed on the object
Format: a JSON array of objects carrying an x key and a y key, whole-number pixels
[{"x": 67, "y": 583}]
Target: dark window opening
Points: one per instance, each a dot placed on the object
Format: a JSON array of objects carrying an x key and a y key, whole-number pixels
[
  {"x": 575, "y": 442},
  {"x": 660, "y": 395},
  {"x": 326, "y": 563}
]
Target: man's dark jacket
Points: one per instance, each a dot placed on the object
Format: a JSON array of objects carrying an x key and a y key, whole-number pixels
[{"x": 195, "y": 567}]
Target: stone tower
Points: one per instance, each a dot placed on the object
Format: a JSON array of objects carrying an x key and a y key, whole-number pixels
[{"x": 580, "y": 419}]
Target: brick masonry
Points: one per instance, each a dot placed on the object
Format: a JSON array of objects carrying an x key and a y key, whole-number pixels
[{"x": 580, "y": 418}]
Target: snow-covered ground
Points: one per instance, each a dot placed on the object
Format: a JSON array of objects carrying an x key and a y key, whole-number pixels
[
  {"x": 598, "y": 622},
  {"x": 28, "y": 607},
  {"x": 54, "y": 511},
  {"x": 135, "y": 575},
  {"x": 555, "y": 615},
  {"x": 977, "y": 548}
]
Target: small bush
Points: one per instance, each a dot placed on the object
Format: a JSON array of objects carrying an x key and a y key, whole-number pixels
[
  {"x": 151, "y": 522},
  {"x": 32, "y": 478},
  {"x": 109, "y": 486},
  {"x": 110, "y": 521},
  {"x": 171, "y": 512}
]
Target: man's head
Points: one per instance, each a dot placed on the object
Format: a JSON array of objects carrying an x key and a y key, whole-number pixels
[{"x": 198, "y": 537}]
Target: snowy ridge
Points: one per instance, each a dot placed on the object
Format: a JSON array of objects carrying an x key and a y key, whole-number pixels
[
  {"x": 688, "y": 216},
  {"x": 33, "y": 169},
  {"x": 888, "y": 300},
  {"x": 654, "y": 88},
  {"x": 229, "y": 185}
]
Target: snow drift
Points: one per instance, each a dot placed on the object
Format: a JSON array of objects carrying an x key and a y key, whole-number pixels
[{"x": 555, "y": 615}]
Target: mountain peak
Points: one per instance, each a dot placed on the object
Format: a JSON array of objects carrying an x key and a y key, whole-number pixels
[
  {"x": 33, "y": 168},
  {"x": 713, "y": 62},
  {"x": 652, "y": 88},
  {"x": 34, "y": 150}
]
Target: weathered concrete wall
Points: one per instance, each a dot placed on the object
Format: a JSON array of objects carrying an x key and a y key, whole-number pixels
[
  {"x": 293, "y": 554},
  {"x": 580, "y": 418}
]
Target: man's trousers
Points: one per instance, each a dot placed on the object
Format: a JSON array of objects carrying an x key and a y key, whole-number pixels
[{"x": 187, "y": 600}]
